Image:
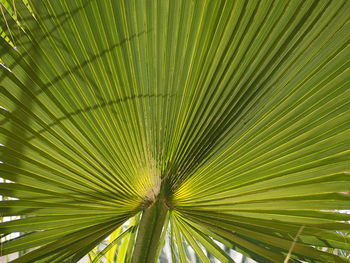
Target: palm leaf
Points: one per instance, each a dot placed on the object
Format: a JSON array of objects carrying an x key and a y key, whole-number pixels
[{"x": 220, "y": 121}]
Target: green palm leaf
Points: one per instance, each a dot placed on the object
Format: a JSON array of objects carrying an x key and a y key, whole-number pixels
[{"x": 223, "y": 121}]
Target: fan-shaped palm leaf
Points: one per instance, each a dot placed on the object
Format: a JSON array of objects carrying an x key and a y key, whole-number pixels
[{"x": 204, "y": 120}]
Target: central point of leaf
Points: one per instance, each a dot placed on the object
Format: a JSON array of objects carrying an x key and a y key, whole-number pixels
[
  {"x": 153, "y": 192},
  {"x": 159, "y": 191}
]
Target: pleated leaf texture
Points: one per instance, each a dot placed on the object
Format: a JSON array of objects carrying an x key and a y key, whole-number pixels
[{"x": 191, "y": 122}]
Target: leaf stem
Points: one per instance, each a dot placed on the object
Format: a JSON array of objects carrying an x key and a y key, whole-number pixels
[{"x": 150, "y": 230}]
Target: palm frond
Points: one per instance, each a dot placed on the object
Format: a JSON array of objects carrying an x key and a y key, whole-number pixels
[{"x": 204, "y": 122}]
